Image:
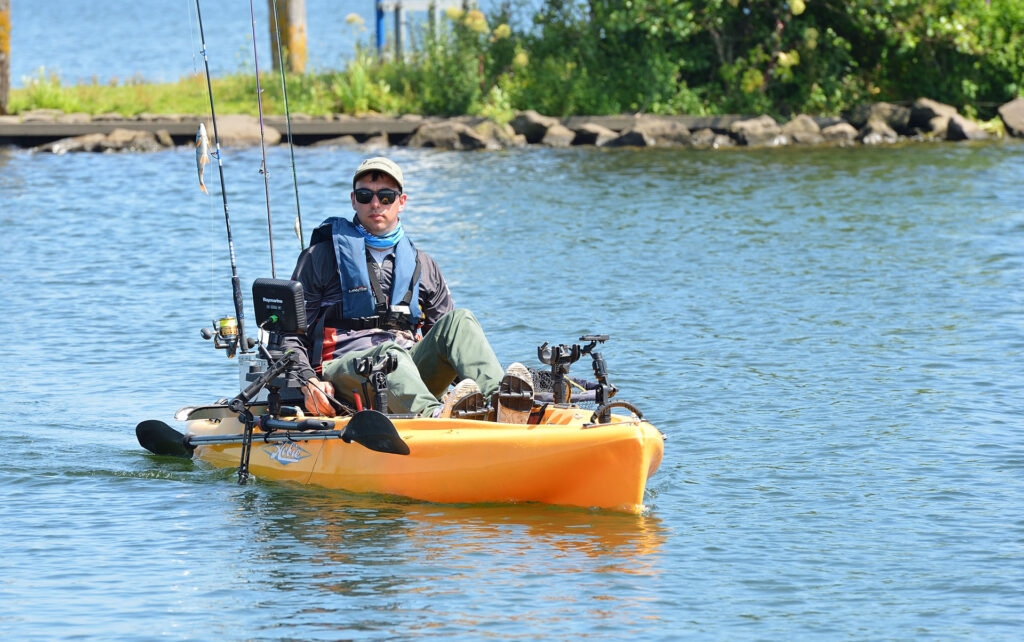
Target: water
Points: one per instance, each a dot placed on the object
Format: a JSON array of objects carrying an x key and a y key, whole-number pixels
[
  {"x": 159, "y": 41},
  {"x": 830, "y": 338}
]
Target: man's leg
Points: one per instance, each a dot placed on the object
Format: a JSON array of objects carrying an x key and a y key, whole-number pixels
[
  {"x": 406, "y": 390},
  {"x": 456, "y": 347}
]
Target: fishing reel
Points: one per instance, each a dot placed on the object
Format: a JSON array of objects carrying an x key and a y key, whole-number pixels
[{"x": 225, "y": 336}]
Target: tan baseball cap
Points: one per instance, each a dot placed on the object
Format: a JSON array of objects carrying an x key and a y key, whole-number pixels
[{"x": 380, "y": 164}]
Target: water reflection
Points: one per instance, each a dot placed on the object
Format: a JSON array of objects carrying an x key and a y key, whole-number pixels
[{"x": 344, "y": 526}]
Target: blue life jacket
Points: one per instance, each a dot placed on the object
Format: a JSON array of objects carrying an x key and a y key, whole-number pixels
[{"x": 364, "y": 304}]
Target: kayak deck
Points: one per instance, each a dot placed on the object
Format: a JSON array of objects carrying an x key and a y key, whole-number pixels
[{"x": 562, "y": 460}]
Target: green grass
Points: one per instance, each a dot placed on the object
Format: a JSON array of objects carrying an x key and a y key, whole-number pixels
[{"x": 311, "y": 94}]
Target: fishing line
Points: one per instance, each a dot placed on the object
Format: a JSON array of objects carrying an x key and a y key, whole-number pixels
[
  {"x": 288, "y": 123},
  {"x": 236, "y": 287},
  {"x": 209, "y": 203},
  {"x": 263, "y": 146}
]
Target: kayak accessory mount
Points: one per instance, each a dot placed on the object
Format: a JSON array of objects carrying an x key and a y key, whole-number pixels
[{"x": 560, "y": 357}]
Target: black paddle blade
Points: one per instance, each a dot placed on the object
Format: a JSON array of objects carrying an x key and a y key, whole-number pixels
[
  {"x": 160, "y": 439},
  {"x": 375, "y": 431}
]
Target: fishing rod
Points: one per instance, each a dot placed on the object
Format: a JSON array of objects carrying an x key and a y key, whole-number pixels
[
  {"x": 288, "y": 123},
  {"x": 236, "y": 287},
  {"x": 263, "y": 146}
]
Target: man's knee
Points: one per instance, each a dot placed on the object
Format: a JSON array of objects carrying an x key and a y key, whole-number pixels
[{"x": 454, "y": 318}]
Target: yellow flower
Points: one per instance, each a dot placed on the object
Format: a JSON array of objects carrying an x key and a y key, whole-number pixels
[
  {"x": 476, "y": 21},
  {"x": 453, "y": 13},
  {"x": 797, "y": 7},
  {"x": 751, "y": 81},
  {"x": 521, "y": 59},
  {"x": 354, "y": 19},
  {"x": 502, "y": 31},
  {"x": 789, "y": 58}
]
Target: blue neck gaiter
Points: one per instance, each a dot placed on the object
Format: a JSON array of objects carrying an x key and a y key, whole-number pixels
[{"x": 380, "y": 242}]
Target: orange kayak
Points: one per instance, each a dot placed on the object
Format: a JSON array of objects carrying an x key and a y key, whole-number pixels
[{"x": 563, "y": 459}]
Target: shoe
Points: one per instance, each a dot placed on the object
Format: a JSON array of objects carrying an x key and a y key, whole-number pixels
[
  {"x": 515, "y": 395},
  {"x": 463, "y": 401}
]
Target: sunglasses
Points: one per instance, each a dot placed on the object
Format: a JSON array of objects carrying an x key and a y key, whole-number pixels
[{"x": 386, "y": 196}]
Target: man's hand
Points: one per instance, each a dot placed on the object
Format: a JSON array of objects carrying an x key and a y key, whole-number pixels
[
  {"x": 316, "y": 401},
  {"x": 405, "y": 338}
]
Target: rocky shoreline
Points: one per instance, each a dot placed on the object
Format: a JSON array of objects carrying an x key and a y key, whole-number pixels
[{"x": 869, "y": 124}]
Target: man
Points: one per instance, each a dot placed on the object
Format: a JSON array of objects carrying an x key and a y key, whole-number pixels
[{"x": 368, "y": 291}]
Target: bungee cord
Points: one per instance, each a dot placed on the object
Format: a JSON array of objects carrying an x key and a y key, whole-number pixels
[
  {"x": 288, "y": 123},
  {"x": 263, "y": 145}
]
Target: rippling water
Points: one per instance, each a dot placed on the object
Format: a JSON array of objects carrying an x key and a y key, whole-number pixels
[{"x": 830, "y": 338}]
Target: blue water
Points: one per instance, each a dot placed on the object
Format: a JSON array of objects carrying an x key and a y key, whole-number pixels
[
  {"x": 831, "y": 339},
  {"x": 124, "y": 40}
]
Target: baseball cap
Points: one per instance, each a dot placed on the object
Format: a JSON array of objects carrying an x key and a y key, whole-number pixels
[{"x": 380, "y": 164}]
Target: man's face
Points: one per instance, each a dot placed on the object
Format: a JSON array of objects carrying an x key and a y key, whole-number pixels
[{"x": 377, "y": 218}]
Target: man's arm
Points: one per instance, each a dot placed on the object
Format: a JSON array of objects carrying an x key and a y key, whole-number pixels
[
  {"x": 435, "y": 300},
  {"x": 310, "y": 270},
  {"x": 313, "y": 288}
]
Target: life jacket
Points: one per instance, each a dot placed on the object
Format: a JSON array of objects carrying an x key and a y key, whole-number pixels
[{"x": 364, "y": 305}]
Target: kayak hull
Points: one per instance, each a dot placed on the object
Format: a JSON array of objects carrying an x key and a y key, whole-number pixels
[{"x": 562, "y": 460}]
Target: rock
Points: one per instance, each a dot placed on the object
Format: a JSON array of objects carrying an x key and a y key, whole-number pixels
[
  {"x": 665, "y": 131},
  {"x": 896, "y": 117},
  {"x": 129, "y": 140},
  {"x": 722, "y": 140},
  {"x": 558, "y": 135},
  {"x": 877, "y": 131},
  {"x": 119, "y": 140},
  {"x": 960, "y": 128},
  {"x": 702, "y": 137},
  {"x": 532, "y": 125},
  {"x": 86, "y": 143},
  {"x": 633, "y": 137},
  {"x": 447, "y": 134},
  {"x": 804, "y": 130},
  {"x": 938, "y": 126},
  {"x": 842, "y": 133},
  {"x": 593, "y": 134},
  {"x": 339, "y": 141},
  {"x": 1012, "y": 114},
  {"x": 76, "y": 118},
  {"x": 499, "y": 134},
  {"x": 759, "y": 131},
  {"x": 924, "y": 111},
  {"x": 164, "y": 138},
  {"x": 376, "y": 141},
  {"x": 41, "y": 115},
  {"x": 241, "y": 130},
  {"x": 109, "y": 117}
]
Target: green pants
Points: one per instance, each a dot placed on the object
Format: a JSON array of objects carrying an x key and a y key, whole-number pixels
[{"x": 454, "y": 347}]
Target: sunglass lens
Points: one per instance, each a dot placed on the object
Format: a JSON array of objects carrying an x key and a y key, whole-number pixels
[{"x": 386, "y": 196}]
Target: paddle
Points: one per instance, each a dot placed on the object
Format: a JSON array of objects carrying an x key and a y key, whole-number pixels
[
  {"x": 160, "y": 439},
  {"x": 368, "y": 428},
  {"x": 373, "y": 429}
]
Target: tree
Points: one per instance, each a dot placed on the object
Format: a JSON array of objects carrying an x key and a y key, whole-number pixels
[{"x": 288, "y": 22}]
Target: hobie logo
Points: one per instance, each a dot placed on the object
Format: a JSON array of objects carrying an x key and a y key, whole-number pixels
[{"x": 285, "y": 453}]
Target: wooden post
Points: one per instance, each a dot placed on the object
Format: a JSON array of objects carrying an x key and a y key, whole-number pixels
[
  {"x": 5, "y": 53},
  {"x": 399, "y": 23},
  {"x": 292, "y": 15}
]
